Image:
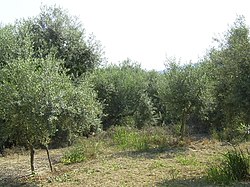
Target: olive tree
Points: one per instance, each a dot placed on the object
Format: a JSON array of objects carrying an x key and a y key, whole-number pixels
[
  {"x": 37, "y": 96},
  {"x": 181, "y": 92},
  {"x": 8, "y": 45},
  {"x": 55, "y": 31},
  {"x": 231, "y": 62},
  {"x": 123, "y": 91}
]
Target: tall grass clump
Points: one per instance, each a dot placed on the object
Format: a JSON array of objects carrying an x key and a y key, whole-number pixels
[
  {"x": 234, "y": 167},
  {"x": 129, "y": 138},
  {"x": 81, "y": 151},
  {"x": 149, "y": 137},
  {"x": 159, "y": 137}
]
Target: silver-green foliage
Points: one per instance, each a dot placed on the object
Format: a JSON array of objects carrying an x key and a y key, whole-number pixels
[
  {"x": 122, "y": 89},
  {"x": 55, "y": 31},
  {"x": 231, "y": 61},
  {"x": 37, "y": 96},
  {"x": 181, "y": 91}
]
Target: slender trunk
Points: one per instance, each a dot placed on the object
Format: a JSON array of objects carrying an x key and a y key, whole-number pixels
[
  {"x": 50, "y": 164},
  {"x": 184, "y": 116},
  {"x": 32, "y": 153},
  {"x": 183, "y": 124}
]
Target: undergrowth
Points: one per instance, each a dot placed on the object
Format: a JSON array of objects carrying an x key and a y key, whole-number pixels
[
  {"x": 81, "y": 151},
  {"x": 235, "y": 166},
  {"x": 127, "y": 138},
  {"x": 144, "y": 139}
]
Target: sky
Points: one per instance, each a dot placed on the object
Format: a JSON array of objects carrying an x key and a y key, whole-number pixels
[{"x": 146, "y": 31}]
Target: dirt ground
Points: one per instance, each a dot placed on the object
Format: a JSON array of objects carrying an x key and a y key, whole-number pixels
[{"x": 185, "y": 166}]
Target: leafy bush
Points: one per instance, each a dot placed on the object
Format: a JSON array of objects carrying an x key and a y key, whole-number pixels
[{"x": 235, "y": 167}]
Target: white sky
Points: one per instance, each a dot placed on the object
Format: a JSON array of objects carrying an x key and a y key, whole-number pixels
[{"x": 144, "y": 30}]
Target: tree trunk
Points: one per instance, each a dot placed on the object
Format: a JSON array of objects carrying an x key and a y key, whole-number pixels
[
  {"x": 184, "y": 116},
  {"x": 32, "y": 153},
  {"x": 50, "y": 165},
  {"x": 183, "y": 124}
]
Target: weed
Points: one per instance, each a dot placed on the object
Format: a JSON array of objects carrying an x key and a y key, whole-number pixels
[
  {"x": 187, "y": 160},
  {"x": 126, "y": 138},
  {"x": 174, "y": 173},
  {"x": 217, "y": 175},
  {"x": 75, "y": 155},
  {"x": 116, "y": 167},
  {"x": 157, "y": 136},
  {"x": 142, "y": 140},
  {"x": 234, "y": 167},
  {"x": 237, "y": 164},
  {"x": 83, "y": 150},
  {"x": 157, "y": 164},
  {"x": 60, "y": 178}
]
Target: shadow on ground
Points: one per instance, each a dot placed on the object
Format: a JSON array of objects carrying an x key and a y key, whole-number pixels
[
  {"x": 197, "y": 182},
  {"x": 14, "y": 182},
  {"x": 200, "y": 182},
  {"x": 152, "y": 153}
]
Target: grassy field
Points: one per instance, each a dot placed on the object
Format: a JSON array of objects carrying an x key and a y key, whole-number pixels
[{"x": 107, "y": 164}]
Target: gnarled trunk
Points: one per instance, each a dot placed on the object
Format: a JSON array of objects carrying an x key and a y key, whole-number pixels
[
  {"x": 50, "y": 164},
  {"x": 32, "y": 153},
  {"x": 183, "y": 124},
  {"x": 184, "y": 116}
]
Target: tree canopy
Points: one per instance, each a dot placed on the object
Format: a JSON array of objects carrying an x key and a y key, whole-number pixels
[
  {"x": 52, "y": 31},
  {"x": 37, "y": 96}
]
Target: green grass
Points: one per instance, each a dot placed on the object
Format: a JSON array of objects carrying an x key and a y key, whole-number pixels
[
  {"x": 235, "y": 166},
  {"x": 187, "y": 160},
  {"x": 157, "y": 165}
]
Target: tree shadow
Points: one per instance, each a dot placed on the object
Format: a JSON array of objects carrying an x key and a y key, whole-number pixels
[
  {"x": 194, "y": 182},
  {"x": 152, "y": 153},
  {"x": 8, "y": 181}
]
